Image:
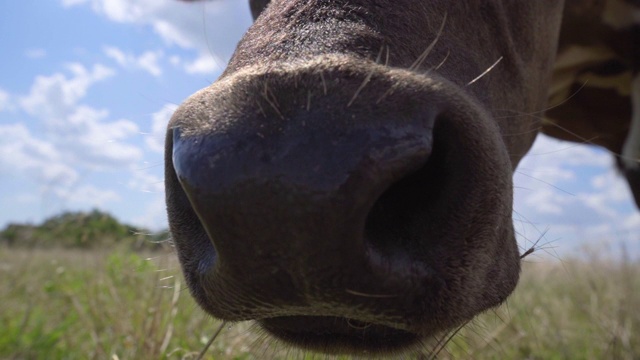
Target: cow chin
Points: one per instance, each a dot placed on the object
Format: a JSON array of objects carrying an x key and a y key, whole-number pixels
[{"x": 344, "y": 205}]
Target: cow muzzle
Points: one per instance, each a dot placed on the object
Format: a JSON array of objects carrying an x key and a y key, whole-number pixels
[{"x": 344, "y": 206}]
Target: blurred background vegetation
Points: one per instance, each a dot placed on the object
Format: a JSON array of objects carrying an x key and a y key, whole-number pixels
[
  {"x": 84, "y": 286},
  {"x": 80, "y": 230}
]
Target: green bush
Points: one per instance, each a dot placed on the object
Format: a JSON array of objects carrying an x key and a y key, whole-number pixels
[{"x": 82, "y": 231}]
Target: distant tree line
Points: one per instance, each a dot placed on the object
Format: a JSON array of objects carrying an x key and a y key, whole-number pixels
[{"x": 84, "y": 230}]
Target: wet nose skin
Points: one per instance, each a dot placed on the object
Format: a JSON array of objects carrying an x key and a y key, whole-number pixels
[
  {"x": 321, "y": 213},
  {"x": 286, "y": 209}
]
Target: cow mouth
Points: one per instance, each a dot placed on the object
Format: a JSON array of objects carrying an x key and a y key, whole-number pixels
[{"x": 339, "y": 335}]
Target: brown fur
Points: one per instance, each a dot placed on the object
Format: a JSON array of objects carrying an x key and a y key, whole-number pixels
[
  {"x": 348, "y": 193},
  {"x": 598, "y": 56}
]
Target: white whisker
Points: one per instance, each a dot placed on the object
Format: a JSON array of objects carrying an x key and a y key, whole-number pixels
[{"x": 486, "y": 71}]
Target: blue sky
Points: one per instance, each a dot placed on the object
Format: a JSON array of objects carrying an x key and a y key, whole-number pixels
[{"x": 87, "y": 87}]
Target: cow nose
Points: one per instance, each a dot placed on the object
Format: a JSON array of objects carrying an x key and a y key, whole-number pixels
[
  {"x": 322, "y": 202},
  {"x": 297, "y": 204}
]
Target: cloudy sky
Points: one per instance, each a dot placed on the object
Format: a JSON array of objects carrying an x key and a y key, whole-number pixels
[{"x": 87, "y": 87}]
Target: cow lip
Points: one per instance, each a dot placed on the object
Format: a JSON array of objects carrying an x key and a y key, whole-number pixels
[{"x": 339, "y": 335}]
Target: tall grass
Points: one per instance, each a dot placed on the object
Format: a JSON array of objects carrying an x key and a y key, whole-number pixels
[
  {"x": 64, "y": 304},
  {"x": 92, "y": 305},
  {"x": 574, "y": 309}
]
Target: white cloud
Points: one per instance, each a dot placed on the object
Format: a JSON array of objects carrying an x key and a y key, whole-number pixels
[
  {"x": 573, "y": 191},
  {"x": 555, "y": 164},
  {"x": 200, "y": 27},
  {"x": 173, "y": 34},
  {"x": 73, "y": 140},
  {"x": 55, "y": 170},
  {"x": 144, "y": 181},
  {"x": 147, "y": 61},
  {"x": 632, "y": 222},
  {"x": 609, "y": 183},
  {"x": 556, "y": 153},
  {"x": 598, "y": 202},
  {"x": 83, "y": 134},
  {"x": 5, "y": 103},
  {"x": 96, "y": 143},
  {"x": 118, "y": 55},
  {"x": 68, "y": 3},
  {"x": 175, "y": 60},
  {"x": 87, "y": 196},
  {"x": 154, "y": 217},
  {"x": 117, "y": 10},
  {"x": 54, "y": 96},
  {"x": 36, "y": 53},
  {"x": 36, "y": 159},
  {"x": 160, "y": 119},
  {"x": 546, "y": 201},
  {"x": 27, "y": 198},
  {"x": 204, "y": 64},
  {"x": 59, "y": 179}
]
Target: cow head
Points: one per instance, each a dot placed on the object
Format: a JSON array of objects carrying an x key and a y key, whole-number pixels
[{"x": 347, "y": 181}]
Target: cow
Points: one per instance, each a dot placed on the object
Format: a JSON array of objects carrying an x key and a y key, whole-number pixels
[{"x": 347, "y": 181}]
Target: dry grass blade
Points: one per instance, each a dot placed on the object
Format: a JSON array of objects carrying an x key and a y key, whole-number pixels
[
  {"x": 174, "y": 312},
  {"x": 213, "y": 338}
]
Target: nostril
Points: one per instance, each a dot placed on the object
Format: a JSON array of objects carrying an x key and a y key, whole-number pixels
[{"x": 408, "y": 206}]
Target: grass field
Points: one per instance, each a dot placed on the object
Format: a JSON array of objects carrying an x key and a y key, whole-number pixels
[{"x": 63, "y": 304}]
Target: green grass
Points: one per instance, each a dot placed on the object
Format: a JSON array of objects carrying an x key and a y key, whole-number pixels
[{"x": 71, "y": 304}]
